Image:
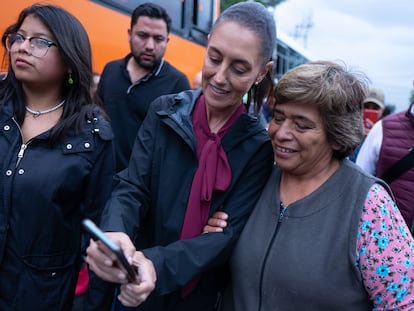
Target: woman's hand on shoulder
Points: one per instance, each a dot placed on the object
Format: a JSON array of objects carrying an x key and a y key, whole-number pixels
[{"x": 216, "y": 223}]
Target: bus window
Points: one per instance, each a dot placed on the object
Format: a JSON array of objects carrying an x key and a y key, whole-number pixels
[
  {"x": 174, "y": 8},
  {"x": 191, "y": 19},
  {"x": 203, "y": 18}
]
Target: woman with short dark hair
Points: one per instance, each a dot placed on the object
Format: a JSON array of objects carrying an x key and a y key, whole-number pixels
[{"x": 324, "y": 234}]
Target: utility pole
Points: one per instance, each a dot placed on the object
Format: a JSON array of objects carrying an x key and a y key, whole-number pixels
[{"x": 302, "y": 30}]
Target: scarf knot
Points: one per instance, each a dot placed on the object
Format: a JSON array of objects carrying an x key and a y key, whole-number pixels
[{"x": 213, "y": 174}]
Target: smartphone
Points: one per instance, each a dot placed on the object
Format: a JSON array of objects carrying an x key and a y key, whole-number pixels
[
  {"x": 371, "y": 115},
  {"x": 98, "y": 235}
]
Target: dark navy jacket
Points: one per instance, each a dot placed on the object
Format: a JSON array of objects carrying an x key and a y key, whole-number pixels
[
  {"x": 44, "y": 194},
  {"x": 150, "y": 200}
]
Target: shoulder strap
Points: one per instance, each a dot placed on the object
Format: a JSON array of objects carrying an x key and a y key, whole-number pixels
[{"x": 399, "y": 167}]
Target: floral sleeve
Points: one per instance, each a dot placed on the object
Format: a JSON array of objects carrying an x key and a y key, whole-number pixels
[{"x": 385, "y": 253}]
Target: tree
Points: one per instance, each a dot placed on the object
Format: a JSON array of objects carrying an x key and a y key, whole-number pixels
[{"x": 269, "y": 3}]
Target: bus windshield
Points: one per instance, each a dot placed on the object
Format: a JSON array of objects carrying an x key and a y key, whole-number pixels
[{"x": 191, "y": 19}]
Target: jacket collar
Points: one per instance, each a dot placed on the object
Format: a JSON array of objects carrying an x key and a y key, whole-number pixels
[
  {"x": 7, "y": 111},
  {"x": 154, "y": 72},
  {"x": 246, "y": 126}
]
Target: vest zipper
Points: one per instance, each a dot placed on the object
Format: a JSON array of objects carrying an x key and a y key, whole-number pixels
[
  {"x": 281, "y": 215},
  {"x": 279, "y": 223}
]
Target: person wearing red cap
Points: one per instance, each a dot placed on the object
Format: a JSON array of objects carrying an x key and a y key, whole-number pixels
[
  {"x": 387, "y": 143},
  {"x": 374, "y": 106},
  {"x": 373, "y": 110}
]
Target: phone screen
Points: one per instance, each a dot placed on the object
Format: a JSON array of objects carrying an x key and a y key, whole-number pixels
[{"x": 97, "y": 234}]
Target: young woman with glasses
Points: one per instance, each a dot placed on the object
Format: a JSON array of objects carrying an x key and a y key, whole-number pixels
[{"x": 55, "y": 157}]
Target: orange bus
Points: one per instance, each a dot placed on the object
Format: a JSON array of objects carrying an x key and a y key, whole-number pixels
[{"x": 107, "y": 22}]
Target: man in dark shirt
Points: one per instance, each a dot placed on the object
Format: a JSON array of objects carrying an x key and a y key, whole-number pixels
[{"x": 129, "y": 85}]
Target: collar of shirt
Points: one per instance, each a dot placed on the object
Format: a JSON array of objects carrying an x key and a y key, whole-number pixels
[{"x": 148, "y": 76}]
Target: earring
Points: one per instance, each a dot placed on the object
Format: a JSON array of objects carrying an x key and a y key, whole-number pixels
[{"x": 70, "y": 80}]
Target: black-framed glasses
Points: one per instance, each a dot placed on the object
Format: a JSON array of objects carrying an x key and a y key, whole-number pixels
[{"x": 38, "y": 46}]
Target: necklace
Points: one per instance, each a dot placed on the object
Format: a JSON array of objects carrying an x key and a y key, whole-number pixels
[{"x": 37, "y": 113}]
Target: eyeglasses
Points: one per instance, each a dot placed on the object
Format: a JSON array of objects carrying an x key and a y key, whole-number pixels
[{"x": 38, "y": 46}]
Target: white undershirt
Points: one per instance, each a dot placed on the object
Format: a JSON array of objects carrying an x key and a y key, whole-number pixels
[{"x": 368, "y": 154}]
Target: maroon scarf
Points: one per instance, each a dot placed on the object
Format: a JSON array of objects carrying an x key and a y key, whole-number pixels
[{"x": 213, "y": 174}]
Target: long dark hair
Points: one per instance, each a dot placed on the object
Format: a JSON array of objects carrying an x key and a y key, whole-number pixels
[{"x": 74, "y": 47}]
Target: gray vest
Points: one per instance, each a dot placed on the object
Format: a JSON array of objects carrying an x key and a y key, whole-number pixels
[{"x": 306, "y": 262}]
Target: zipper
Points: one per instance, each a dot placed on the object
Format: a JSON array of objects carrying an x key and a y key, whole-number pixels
[
  {"x": 281, "y": 215},
  {"x": 20, "y": 155},
  {"x": 23, "y": 147},
  {"x": 279, "y": 223}
]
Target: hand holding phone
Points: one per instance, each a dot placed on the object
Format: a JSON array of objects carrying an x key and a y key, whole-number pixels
[{"x": 98, "y": 235}]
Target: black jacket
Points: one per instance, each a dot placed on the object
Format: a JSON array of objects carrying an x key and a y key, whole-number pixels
[
  {"x": 150, "y": 200},
  {"x": 127, "y": 102},
  {"x": 44, "y": 194}
]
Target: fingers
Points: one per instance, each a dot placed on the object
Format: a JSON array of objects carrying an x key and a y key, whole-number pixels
[
  {"x": 209, "y": 229},
  {"x": 104, "y": 263},
  {"x": 124, "y": 241},
  {"x": 133, "y": 294},
  {"x": 220, "y": 215},
  {"x": 216, "y": 223},
  {"x": 146, "y": 271}
]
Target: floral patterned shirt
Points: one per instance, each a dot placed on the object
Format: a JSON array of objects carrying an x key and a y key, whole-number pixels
[{"x": 385, "y": 253}]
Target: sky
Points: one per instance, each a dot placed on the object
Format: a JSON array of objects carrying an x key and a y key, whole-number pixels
[{"x": 372, "y": 36}]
